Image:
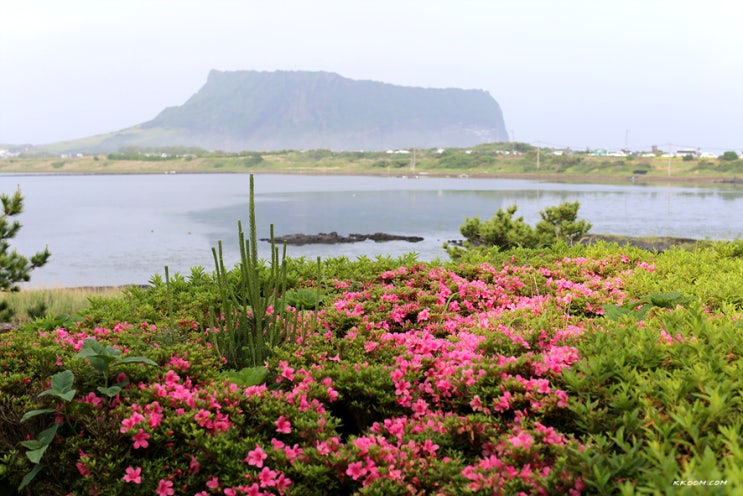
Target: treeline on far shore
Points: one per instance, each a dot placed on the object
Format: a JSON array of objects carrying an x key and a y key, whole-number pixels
[{"x": 483, "y": 160}]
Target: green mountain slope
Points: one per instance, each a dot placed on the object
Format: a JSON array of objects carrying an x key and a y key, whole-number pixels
[{"x": 251, "y": 110}]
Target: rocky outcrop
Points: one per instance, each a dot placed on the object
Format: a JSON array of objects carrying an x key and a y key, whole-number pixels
[
  {"x": 305, "y": 110},
  {"x": 333, "y": 238},
  {"x": 7, "y": 327}
]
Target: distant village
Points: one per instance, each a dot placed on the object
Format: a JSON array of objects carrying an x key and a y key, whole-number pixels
[
  {"x": 655, "y": 152},
  {"x": 692, "y": 153}
]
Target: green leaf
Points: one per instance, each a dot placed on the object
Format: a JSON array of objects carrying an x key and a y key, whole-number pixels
[
  {"x": 29, "y": 477},
  {"x": 34, "y": 413},
  {"x": 47, "y": 436},
  {"x": 63, "y": 381},
  {"x": 136, "y": 359},
  {"x": 100, "y": 363},
  {"x": 250, "y": 376},
  {"x": 668, "y": 300},
  {"x": 617, "y": 312},
  {"x": 110, "y": 391},
  {"x": 66, "y": 396},
  {"x": 33, "y": 444},
  {"x": 92, "y": 348},
  {"x": 36, "y": 455},
  {"x": 37, "y": 447},
  {"x": 98, "y": 355}
]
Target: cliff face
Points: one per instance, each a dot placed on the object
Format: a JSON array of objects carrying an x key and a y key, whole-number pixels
[{"x": 250, "y": 110}]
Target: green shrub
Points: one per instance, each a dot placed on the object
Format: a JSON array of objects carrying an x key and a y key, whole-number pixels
[
  {"x": 655, "y": 398},
  {"x": 14, "y": 268},
  {"x": 728, "y": 156},
  {"x": 711, "y": 273},
  {"x": 557, "y": 224}
]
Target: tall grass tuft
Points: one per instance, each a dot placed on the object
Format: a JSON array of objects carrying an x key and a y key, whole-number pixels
[
  {"x": 30, "y": 304},
  {"x": 254, "y": 315}
]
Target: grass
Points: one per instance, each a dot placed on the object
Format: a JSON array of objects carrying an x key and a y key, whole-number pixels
[
  {"x": 54, "y": 301},
  {"x": 479, "y": 161}
]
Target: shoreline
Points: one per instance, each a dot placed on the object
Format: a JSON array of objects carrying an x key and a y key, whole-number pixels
[
  {"x": 650, "y": 243},
  {"x": 551, "y": 177}
]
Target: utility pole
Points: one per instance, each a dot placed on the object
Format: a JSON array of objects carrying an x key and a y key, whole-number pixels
[
  {"x": 513, "y": 141},
  {"x": 538, "y": 154},
  {"x": 412, "y": 161},
  {"x": 669, "y": 159}
]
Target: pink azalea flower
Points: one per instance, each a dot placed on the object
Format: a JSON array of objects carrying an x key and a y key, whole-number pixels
[
  {"x": 323, "y": 449},
  {"x": 253, "y": 490},
  {"x": 283, "y": 426},
  {"x": 286, "y": 371},
  {"x": 370, "y": 346},
  {"x": 293, "y": 452},
  {"x": 355, "y": 470},
  {"x": 92, "y": 399},
  {"x": 429, "y": 446},
  {"x": 267, "y": 477},
  {"x": 133, "y": 475},
  {"x": 256, "y": 457},
  {"x": 179, "y": 363},
  {"x": 283, "y": 483},
  {"x": 194, "y": 466},
  {"x": 155, "y": 419},
  {"x": 129, "y": 422},
  {"x": 423, "y": 315},
  {"x": 165, "y": 488},
  {"x": 83, "y": 469},
  {"x": 523, "y": 440},
  {"x": 503, "y": 402},
  {"x": 202, "y": 417},
  {"x": 140, "y": 439},
  {"x": 332, "y": 394},
  {"x": 420, "y": 407}
]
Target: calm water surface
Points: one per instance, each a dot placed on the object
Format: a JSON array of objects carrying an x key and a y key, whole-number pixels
[{"x": 122, "y": 229}]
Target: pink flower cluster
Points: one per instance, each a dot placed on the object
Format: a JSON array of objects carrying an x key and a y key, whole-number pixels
[
  {"x": 435, "y": 328},
  {"x": 459, "y": 371}
]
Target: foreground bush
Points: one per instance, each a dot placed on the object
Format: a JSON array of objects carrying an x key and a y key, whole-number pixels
[
  {"x": 14, "y": 267},
  {"x": 558, "y": 224},
  {"x": 541, "y": 373}
]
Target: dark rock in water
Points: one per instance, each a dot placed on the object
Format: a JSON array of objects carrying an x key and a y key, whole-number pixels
[
  {"x": 7, "y": 326},
  {"x": 379, "y": 237},
  {"x": 333, "y": 238}
]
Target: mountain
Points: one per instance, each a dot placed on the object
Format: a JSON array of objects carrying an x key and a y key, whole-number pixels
[{"x": 252, "y": 110}]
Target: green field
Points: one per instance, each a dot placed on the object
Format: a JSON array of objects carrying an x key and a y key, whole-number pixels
[{"x": 481, "y": 161}]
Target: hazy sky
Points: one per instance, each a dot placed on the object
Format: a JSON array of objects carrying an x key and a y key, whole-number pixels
[{"x": 577, "y": 73}]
